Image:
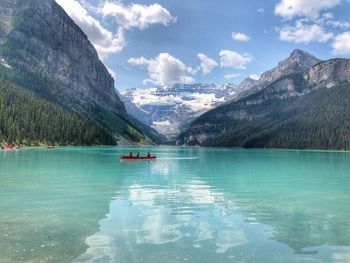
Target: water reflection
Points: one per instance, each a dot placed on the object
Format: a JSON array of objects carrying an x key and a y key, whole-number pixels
[
  {"x": 162, "y": 218},
  {"x": 192, "y": 210},
  {"x": 194, "y": 205},
  {"x": 51, "y": 200}
]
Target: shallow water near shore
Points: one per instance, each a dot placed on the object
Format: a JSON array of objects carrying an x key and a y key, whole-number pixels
[{"x": 190, "y": 205}]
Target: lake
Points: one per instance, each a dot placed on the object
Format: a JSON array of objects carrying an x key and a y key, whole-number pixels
[{"x": 190, "y": 205}]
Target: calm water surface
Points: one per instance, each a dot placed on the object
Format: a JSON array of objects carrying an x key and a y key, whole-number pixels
[{"x": 190, "y": 205}]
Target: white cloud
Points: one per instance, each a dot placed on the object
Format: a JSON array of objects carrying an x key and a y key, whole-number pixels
[
  {"x": 150, "y": 96},
  {"x": 127, "y": 17},
  {"x": 165, "y": 70},
  {"x": 303, "y": 8},
  {"x": 240, "y": 37},
  {"x": 104, "y": 41},
  {"x": 136, "y": 15},
  {"x": 207, "y": 64},
  {"x": 232, "y": 76},
  {"x": 327, "y": 19},
  {"x": 338, "y": 24},
  {"x": 234, "y": 59},
  {"x": 341, "y": 44},
  {"x": 327, "y": 16},
  {"x": 303, "y": 33}
]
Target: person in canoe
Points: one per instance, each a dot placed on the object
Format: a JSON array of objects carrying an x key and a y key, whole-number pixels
[{"x": 138, "y": 157}]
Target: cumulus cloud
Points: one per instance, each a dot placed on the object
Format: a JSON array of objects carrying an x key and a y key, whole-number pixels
[
  {"x": 165, "y": 70},
  {"x": 232, "y": 76},
  {"x": 240, "y": 37},
  {"x": 232, "y": 59},
  {"x": 341, "y": 44},
  {"x": 126, "y": 17},
  {"x": 304, "y": 33},
  {"x": 338, "y": 24},
  {"x": 327, "y": 19},
  {"x": 303, "y": 8},
  {"x": 104, "y": 41},
  {"x": 136, "y": 15},
  {"x": 207, "y": 64}
]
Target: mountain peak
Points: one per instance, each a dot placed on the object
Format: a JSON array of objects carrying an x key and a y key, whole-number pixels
[
  {"x": 299, "y": 61},
  {"x": 297, "y": 52},
  {"x": 302, "y": 56},
  {"x": 247, "y": 83}
]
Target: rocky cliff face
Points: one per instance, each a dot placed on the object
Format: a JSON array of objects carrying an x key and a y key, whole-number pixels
[
  {"x": 292, "y": 111},
  {"x": 328, "y": 73},
  {"x": 41, "y": 37},
  {"x": 5, "y": 18},
  {"x": 135, "y": 111},
  {"x": 43, "y": 50},
  {"x": 298, "y": 62},
  {"x": 247, "y": 83}
]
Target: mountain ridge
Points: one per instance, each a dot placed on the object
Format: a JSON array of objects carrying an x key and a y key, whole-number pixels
[
  {"x": 251, "y": 119},
  {"x": 47, "y": 53},
  {"x": 298, "y": 61}
]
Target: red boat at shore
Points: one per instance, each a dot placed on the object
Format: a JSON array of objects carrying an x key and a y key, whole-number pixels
[{"x": 128, "y": 157}]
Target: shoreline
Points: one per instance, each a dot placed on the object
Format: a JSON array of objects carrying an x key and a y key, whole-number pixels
[{"x": 174, "y": 146}]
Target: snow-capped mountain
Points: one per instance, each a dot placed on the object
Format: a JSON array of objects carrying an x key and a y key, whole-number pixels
[{"x": 171, "y": 109}]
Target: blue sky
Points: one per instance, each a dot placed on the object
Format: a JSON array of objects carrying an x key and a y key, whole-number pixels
[{"x": 160, "y": 42}]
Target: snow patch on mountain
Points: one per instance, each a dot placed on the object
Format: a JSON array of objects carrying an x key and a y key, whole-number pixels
[
  {"x": 4, "y": 63},
  {"x": 171, "y": 108}
]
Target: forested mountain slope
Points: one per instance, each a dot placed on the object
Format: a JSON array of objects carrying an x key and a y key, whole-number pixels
[
  {"x": 26, "y": 118},
  {"x": 301, "y": 110},
  {"x": 44, "y": 51}
]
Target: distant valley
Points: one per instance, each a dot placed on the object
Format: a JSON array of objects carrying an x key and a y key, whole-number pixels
[
  {"x": 301, "y": 103},
  {"x": 170, "y": 110}
]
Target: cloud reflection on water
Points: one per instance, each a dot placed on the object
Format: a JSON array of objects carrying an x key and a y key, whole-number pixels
[
  {"x": 164, "y": 216},
  {"x": 206, "y": 219}
]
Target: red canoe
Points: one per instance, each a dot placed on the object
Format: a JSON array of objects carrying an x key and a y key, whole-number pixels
[
  {"x": 127, "y": 157},
  {"x": 9, "y": 147}
]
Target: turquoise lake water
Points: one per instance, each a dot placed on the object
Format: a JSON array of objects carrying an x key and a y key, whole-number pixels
[{"x": 190, "y": 205}]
